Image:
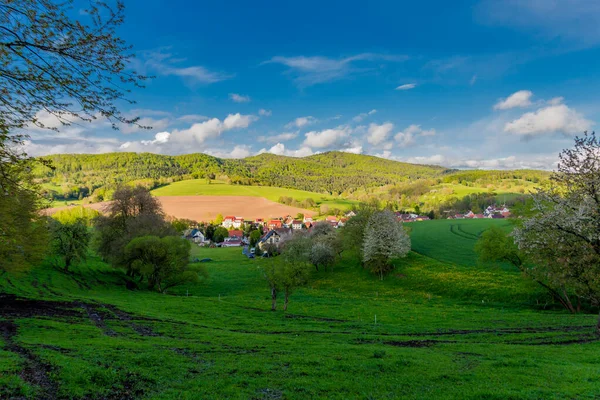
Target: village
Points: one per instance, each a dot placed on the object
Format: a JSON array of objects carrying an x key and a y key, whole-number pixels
[
  {"x": 494, "y": 212},
  {"x": 276, "y": 230}
]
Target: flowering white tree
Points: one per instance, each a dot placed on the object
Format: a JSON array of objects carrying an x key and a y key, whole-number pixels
[
  {"x": 562, "y": 238},
  {"x": 385, "y": 239}
]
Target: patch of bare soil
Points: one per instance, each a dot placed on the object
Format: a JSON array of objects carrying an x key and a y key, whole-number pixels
[{"x": 206, "y": 208}]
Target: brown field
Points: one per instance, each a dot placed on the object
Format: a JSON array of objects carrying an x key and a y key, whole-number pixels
[{"x": 206, "y": 208}]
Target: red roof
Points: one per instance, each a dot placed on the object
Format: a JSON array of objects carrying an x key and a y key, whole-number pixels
[
  {"x": 296, "y": 222},
  {"x": 236, "y": 233},
  {"x": 331, "y": 218},
  {"x": 229, "y": 217}
]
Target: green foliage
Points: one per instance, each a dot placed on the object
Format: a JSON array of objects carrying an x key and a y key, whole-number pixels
[
  {"x": 219, "y": 219},
  {"x": 132, "y": 213},
  {"x": 70, "y": 241},
  {"x": 220, "y": 234},
  {"x": 72, "y": 215},
  {"x": 23, "y": 231},
  {"x": 254, "y": 237},
  {"x": 161, "y": 261},
  {"x": 562, "y": 237},
  {"x": 384, "y": 240}
]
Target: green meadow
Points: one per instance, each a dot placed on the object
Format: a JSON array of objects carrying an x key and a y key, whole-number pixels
[
  {"x": 200, "y": 187},
  {"x": 440, "y": 326}
]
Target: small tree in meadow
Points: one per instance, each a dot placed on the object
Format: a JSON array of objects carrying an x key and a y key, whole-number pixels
[
  {"x": 163, "y": 262},
  {"x": 384, "y": 239},
  {"x": 70, "y": 241}
]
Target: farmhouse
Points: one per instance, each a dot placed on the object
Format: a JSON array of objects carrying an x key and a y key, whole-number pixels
[
  {"x": 297, "y": 224},
  {"x": 237, "y": 234},
  {"x": 232, "y": 222},
  {"x": 275, "y": 236},
  {"x": 231, "y": 242},
  {"x": 275, "y": 224}
]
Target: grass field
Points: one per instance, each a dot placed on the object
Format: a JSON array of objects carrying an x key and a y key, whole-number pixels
[
  {"x": 451, "y": 240},
  {"x": 199, "y": 187},
  {"x": 444, "y": 330}
]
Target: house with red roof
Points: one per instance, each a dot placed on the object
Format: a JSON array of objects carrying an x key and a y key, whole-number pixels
[{"x": 275, "y": 224}]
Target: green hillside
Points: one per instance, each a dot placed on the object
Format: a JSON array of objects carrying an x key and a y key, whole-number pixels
[
  {"x": 451, "y": 240},
  {"x": 446, "y": 331},
  {"x": 199, "y": 187},
  {"x": 338, "y": 175}
]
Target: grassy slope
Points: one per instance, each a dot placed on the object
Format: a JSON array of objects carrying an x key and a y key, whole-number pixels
[
  {"x": 451, "y": 240},
  {"x": 199, "y": 187},
  {"x": 221, "y": 342}
]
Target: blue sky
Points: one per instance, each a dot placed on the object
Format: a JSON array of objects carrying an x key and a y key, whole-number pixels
[{"x": 470, "y": 84}]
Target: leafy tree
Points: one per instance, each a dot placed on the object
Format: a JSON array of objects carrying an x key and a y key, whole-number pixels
[
  {"x": 563, "y": 236},
  {"x": 181, "y": 224},
  {"x": 209, "y": 232},
  {"x": 353, "y": 233},
  {"x": 497, "y": 245},
  {"x": 220, "y": 234},
  {"x": 321, "y": 254},
  {"x": 384, "y": 240},
  {"x": 23, "y": 230},
  {"x": 300, "y": 216},
  {"x": 54, "y": 70},
  {"x": 133, "y": 213},
  {"x": 271, "y": 275},
  {"x": 162, "y": 262},
  {"x": 254, "y": 237},
  {"x": 71, "y": 65},
  {"x": 292, "y": 267},
  {"x": 219, "y": 219},
  {"x": 70, "y": 241},
  {"x": 72, "y": 215}
]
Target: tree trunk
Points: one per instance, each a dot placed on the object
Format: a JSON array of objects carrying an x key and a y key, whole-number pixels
[
  {"x": 67, "y": 263},
  {"x": 273, "y": 299},
  {"x": 285, "y": 304}
]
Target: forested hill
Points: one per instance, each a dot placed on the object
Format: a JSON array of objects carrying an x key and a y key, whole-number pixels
[{"x": 332, "y": 172}]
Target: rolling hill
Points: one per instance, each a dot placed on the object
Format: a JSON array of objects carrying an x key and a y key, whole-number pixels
[{"x": 341, "y": 179}]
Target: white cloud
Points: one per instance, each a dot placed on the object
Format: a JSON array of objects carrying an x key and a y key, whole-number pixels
[
  {"x": 326, "y": 138},
  {"x": 408, "y": 136},
  {"x": 473, "y": 80},
  {"x": 155, "y": 124},
  {"x": 354, "y": 150},
  {"x": 527, "y": 161},
  {"x": 165, "y": 63},
  {"x": 212, "y": 128},
  {"x": 567, "y": 20},
  {"x": 282, "y": 137},
  {"x": 550, "y": 119},
  {"x": 556, "y": 100},
  {"x": 238, "y": 98},
  {"x": 313, "y": 70},
  {"x": 234, "y": 121},
  {"x": 407, "y": 86},
  {"x": 522, "y": 99},
  {"x": 377, "y": 134},
  {"x": 159, "y": 138},
  {"x": 264, "y": 113},
  {"x": 239, "y": 151},
  {"x": 280, "y": 150},
  {"x": 301, "y": 122},
  {"x": 192, "y": 118},
  {"x": 362, "y": 116}
]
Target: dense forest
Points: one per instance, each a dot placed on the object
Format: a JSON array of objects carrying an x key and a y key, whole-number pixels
[{"x": 74, "y": 175}]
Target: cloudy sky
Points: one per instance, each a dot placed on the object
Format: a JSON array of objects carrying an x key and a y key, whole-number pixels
[{"x": 483, "y": 84}]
